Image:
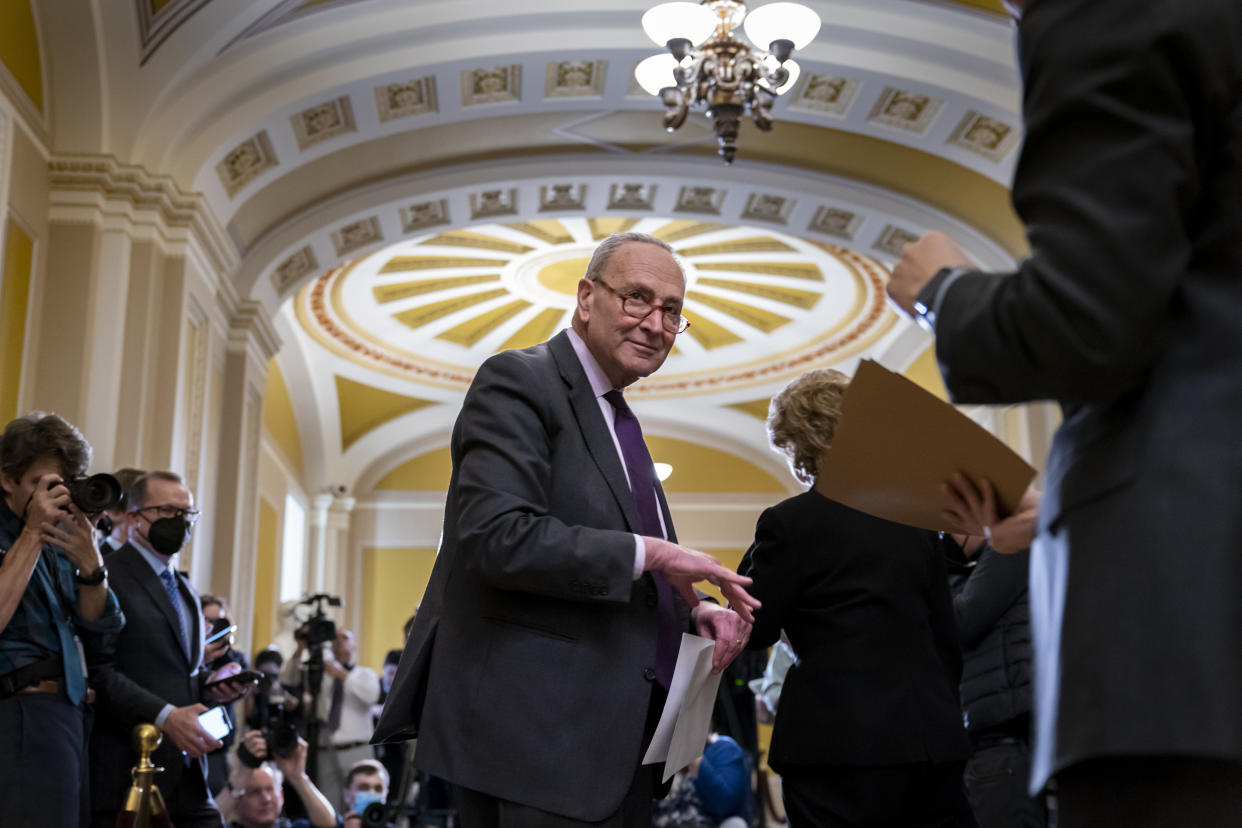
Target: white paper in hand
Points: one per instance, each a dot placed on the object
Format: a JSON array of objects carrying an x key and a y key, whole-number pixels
[{"x": 682, "y": 732}]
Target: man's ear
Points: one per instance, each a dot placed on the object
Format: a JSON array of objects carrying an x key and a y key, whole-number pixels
[{"x": 585, "y": 288}]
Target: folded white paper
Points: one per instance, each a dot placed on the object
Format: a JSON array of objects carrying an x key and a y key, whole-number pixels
[{"x": 682, "y": 732}]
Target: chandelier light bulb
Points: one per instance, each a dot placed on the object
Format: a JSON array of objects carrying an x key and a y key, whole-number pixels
[
  {"x": 670, "y": 21},
  {"x": 780, "y": 21},
  {"x": 656, "y": 72}
]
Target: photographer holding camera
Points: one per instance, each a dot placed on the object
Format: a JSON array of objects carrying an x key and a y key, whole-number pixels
[
  {"x": 55, "y": 610},
  {"x": 257, "y": 788},
  {"x": 366, "y": 795},
  {"x": 340, "y": 695}
]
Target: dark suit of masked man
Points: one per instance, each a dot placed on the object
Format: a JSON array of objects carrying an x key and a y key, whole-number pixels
[
  {"x": 1127, "y": 313},
  {"x": 533, "y": 673}
]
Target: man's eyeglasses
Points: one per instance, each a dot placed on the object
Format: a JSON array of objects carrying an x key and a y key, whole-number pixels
[
  {"x": 635, "y": 304},
  {"x": 190, "y": 516}
]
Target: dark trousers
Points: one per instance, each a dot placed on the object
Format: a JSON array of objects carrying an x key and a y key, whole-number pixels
[
  {"x": 480, "y": 810},
  {"x": 43, "y": 778},
  {"x": 921, "y": 795},
  {"x": 996, "y": 782},
  {"x": 1150, "y": 792}
]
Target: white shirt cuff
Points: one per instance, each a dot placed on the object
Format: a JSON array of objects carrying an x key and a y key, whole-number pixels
[
  {"x": 163, "y": 717},
  {"x": 640, "y": 557}
]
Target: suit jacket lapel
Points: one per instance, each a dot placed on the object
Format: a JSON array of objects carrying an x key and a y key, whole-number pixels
[
  {"x": 196, "y": 618},
  {"x": 159, "y": 597},
  {"x": 594, "y": 430}
]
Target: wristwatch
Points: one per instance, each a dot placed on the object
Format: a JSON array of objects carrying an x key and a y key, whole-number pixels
[{"x": 95, "y": 578}]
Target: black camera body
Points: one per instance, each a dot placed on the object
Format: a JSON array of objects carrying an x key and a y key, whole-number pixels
[
  {"x": 278, "y": 726},
  {"x": 375, "y": 815},
  {"x": 94, "y": 494}
]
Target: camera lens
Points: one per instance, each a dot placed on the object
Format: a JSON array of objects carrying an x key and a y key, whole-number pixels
[{"x": 94, "y": 494}]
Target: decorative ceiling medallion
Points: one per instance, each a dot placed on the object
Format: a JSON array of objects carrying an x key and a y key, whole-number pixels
[
  {"x": 357, "y": 235},
  {"x": 246, "y": 162},
  {"x": 500, "y": 84},
  {"x": 823, "y": 93},
  {"x": 287, "y": 273},
  {"x": 575, "y": 79},
  {"x": 835, "y": 221},
  {"x": 427, "y": 214},
  {"x": 699, "y": 200},
  {"x": 892, "y": 239},
  {"x": 401, "y": 100},
  {"x": 631, "y": 196},
  {"x": 760, "y": 207},
  {"x": 763, "y": 305},
  {"x": 904, "y": 110},
  {"x": 984, "y": 136},
  {"x": 319, "y": 123},
  {"x": 559, "y": 197},
  {"x": 491, "y": 203}
]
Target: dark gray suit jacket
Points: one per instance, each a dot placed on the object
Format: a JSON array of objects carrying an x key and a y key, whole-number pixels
[
  {"x": 528, "y": 672},
  {"x": 1127, "y": 313},
  {"x": 144, "y": 668}
]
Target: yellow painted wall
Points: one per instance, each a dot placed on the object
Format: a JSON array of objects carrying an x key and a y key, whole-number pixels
[
  {"x": 428, "y": 472},
  {"x": 14, "y": 301},
  {"x": 279, "y": 417},
  {"x": 19, "y": 48},
  {"x": 266, "y": 559},
  {"x": 393, "y": 583},
  {"x": 699, "y": 468}
]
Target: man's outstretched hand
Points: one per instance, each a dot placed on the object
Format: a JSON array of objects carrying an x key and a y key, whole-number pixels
[{"x": 686, "y": 567}]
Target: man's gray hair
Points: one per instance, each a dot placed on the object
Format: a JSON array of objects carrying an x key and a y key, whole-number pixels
[
  {"x": 239, "y": 779},
  {"x": 610, "y": 245}
]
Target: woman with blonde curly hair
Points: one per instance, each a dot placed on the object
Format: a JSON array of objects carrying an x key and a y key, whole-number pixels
[{"x": 869, "y": 728}]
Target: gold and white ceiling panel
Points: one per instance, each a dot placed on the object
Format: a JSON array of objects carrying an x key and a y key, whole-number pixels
[
  {"x": 763, "y": 304},
  {"x": 450, "y": 207}
]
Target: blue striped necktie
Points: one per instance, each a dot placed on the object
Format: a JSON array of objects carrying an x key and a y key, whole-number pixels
[{"x": 170, "y": 586}]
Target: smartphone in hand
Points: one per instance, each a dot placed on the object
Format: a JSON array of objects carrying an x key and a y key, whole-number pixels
[{"x": 215, "y": 722}]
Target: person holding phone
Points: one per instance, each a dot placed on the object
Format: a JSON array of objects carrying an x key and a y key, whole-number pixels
[
  {"x": 219, "y": 650},
  {"x": 154, "y": 670}
]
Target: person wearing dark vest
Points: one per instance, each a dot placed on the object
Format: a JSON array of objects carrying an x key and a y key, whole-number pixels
[
  {"x": 56, "y": 611},
  {"x": 538, "y": 660}
]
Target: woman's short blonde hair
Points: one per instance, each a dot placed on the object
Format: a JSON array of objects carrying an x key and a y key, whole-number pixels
[{"x": 802, "y": 419}]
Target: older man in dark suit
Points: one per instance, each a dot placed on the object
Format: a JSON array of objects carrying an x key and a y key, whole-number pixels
[
  {"x": 536, "y": 667},
  {"x": 154, "y": 670},
  {"x": 1127, "y": 313}
]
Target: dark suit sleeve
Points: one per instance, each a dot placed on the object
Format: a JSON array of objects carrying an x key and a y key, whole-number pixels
[
  {"x": 119, "y": 697},
  {"x": 773, "y": 561},
  {"x": 1105, "y": 187},
  {"x": 996, "y": 582},
  {"x": 504, "y": 475}
]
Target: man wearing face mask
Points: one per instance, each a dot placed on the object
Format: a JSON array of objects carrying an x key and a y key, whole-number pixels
[
  {"x": 55, "y": 608},
  {"x": 366, "y": 784},
  {"x": 155, "y": 672}
]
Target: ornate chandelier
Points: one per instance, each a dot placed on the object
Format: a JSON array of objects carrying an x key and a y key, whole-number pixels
[{"x": 708, "y": 67}]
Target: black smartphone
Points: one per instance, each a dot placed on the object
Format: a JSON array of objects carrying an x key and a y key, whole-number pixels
[{"x": 251, "y": 676}]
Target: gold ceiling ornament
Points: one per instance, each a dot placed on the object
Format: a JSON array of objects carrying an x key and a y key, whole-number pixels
[{"x": 709, "y": 67}]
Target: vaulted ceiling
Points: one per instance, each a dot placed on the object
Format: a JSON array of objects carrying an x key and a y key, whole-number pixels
[{"x": 410, "y": 185}]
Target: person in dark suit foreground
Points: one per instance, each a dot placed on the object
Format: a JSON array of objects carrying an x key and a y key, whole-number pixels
[
  {"x": 869, "y": 727},
  {"x": 1126, "y": 313},
  {"x": 153, "y": 671},
  {"x": 536, "y": 666}
]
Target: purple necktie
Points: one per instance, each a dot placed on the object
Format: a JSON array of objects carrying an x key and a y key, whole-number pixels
[{"x": 642, "y": 487}]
